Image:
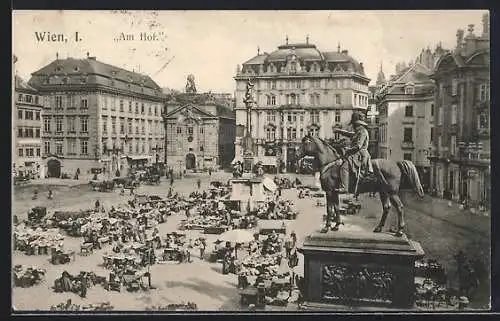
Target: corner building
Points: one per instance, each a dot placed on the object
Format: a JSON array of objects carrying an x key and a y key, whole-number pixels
[
  {"x": 97, "y": 116},
  {"x": 298, "y": 89}
]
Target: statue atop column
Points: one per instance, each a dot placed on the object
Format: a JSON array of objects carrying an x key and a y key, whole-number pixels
[
  {"x": 248, "y": 100},
  {"x": 190, "y": 85}
]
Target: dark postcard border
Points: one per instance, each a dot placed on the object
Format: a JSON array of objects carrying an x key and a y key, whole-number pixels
[{"x": 260, "y": 5}]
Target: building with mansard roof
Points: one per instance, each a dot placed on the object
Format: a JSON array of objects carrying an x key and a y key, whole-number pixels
[
  {"x": 461, "y": 163},
  {"x": 298, "y": 89},
  {"x": 406, "y": 114},
  {"x": 97, "y": 115}
]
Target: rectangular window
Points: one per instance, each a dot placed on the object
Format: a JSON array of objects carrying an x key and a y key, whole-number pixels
[
  {"x": 190, "y": 131},
  {"x": 315, "y": 117},
  {"x": 136, "y": 108},
  {"x": 37, "y": 133},
  {"x": 130, "y": 107},
  {"x": 84, "y": 123},
  {"x": 105, "y": 105},
  {"x": 46, "y": 147},
  {"x": 105, "y": 125},
  {"x": 84, "y": 104},
  {"x": 58, "y": 102},
  {"x": 407, "y": 156},
  {"x": 59, "y": 125},
  {"x": 71, "y": 125},
  {"x": 20, "y": 132},
  {"x": 122, "y": 126},
  {"x": 113, "y": 125},
  {"x": 408, "y": 135},
  {"x": 409, "y": 111},
  {"x": 130, "y": 126},
  {"x": 337, "y": 116},
  {"x": 142, "y": 108},
  {"x": 29, "y": 115},
  {"x": 84, "y": 147},
  {"x": 273, "y": 100},
  {"x": 453, "y": 144},
  {"x": 432, "y": 134},
  {"x": 121, "y": 105},
  {"x": 273, "y": 84},
  {"x": 37, "y": 115},
  {"x": 440, "y": 115},
  {"x": 453, "y": 114},
  {"x": 46, "y": 125},
  {"x": 432, "y": 110},
  {"x": 20, "y": 114},
  {"x": 20, "y": 152},
  {"x": 484, "y": 92},
  {"x": 59, "y": 148},
  {"x": 454, "y": 87},
  {"x": 337, "y": 99},
  {"x": 38, "y": 153}
]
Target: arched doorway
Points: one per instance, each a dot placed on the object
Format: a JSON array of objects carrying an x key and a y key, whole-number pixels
[
  {"x": 190, "y": 161},
  {"x": 54, "y": 168}
]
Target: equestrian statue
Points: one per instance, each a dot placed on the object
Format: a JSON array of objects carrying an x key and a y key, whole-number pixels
[{"x": 338, "y": 165}]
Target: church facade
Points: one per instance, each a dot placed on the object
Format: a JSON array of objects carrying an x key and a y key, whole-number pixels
[{"x": 199, "y": 132}]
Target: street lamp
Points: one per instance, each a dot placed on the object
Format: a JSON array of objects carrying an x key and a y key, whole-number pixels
[{"x": 461, "y": 151}]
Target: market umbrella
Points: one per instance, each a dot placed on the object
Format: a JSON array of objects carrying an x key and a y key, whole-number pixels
[{"x": 237, "y": 236}]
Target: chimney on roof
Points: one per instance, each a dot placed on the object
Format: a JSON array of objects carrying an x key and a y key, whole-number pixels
[
  {"x": 258, "y": 51},
  {"x": 286, "y": 39},
  {"x": 460, "y": 38},
  {"x": 338, "y": 47},
  {"x": 307, "y": 39},
  {"x": 345, "y": 52},
  {"x": 486, "y": 26},
  {"x": 471, "y": 31},
  {"x": 88, "y": 54},
  {"x": 57, "y": 56}
]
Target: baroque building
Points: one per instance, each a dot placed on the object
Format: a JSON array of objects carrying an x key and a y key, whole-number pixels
[
  {"x": 97, "y": 116},
  {"x": 372, "y": 119},
  {"x": 27, "y": 127},
  {"x": 406, "y": 114},
  {"x": 461, "y": 145},
  {"x": 297, "y": 89},
  {"x": 200, "y": 131}
]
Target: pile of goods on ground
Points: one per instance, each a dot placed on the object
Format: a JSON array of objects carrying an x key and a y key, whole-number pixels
[
  {"x": 36, "y": 241},
  {"x": 27, "y": 276},
  {"x": 190, "y": 306},
  {"x": 69, "y": 306}
]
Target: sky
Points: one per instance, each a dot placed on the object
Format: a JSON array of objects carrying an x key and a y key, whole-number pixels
[{"x": 210, "y": 44}]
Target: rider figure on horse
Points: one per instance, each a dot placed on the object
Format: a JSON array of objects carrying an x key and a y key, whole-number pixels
[{"x": 357, "y": 157}]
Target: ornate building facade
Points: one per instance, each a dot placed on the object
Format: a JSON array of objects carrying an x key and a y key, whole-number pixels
[
  {"x": 298, "y": 89},
  {"x": 97, "y": 116},
  {"x": 461, "y": 163},
  {"x": 27, "y": 127},
  {"x": 372, "y": 119},
  {"x": 200, "y": 132},
  {"x": 406, "y": 115}
]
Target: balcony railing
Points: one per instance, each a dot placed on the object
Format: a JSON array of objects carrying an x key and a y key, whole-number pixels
[{"x": 407, "y": 145}]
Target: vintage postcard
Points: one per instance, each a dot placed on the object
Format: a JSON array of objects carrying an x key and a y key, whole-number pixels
[{"x": 251, "y": 161}]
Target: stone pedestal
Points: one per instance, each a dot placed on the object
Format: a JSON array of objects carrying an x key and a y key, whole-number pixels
[
  {"x": 247, "y": 187},
  {"x": 359, "y": 269}
]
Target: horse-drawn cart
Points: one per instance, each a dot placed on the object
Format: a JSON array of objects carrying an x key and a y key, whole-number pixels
[{"x": 102, "y": 186}]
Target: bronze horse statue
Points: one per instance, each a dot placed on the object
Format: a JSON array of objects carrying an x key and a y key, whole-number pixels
[{"x": 389, "y": 178}]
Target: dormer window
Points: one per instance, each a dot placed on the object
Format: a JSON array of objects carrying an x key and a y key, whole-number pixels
[
  {"x": 409, "y": 90},
  {"x": 59, "y": 68},
  {"x": 293, "y": 66},
  {"x": 75, "y": 69}
]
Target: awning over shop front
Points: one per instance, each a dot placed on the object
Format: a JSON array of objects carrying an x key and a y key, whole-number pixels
[{"x": 139, "y": 157}]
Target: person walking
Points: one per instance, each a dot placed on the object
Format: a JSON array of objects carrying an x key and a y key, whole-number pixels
[{"x": 203, "y": 246}]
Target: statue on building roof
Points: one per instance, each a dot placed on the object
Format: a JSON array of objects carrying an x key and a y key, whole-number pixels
[{"x": 190, "y": 85}]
